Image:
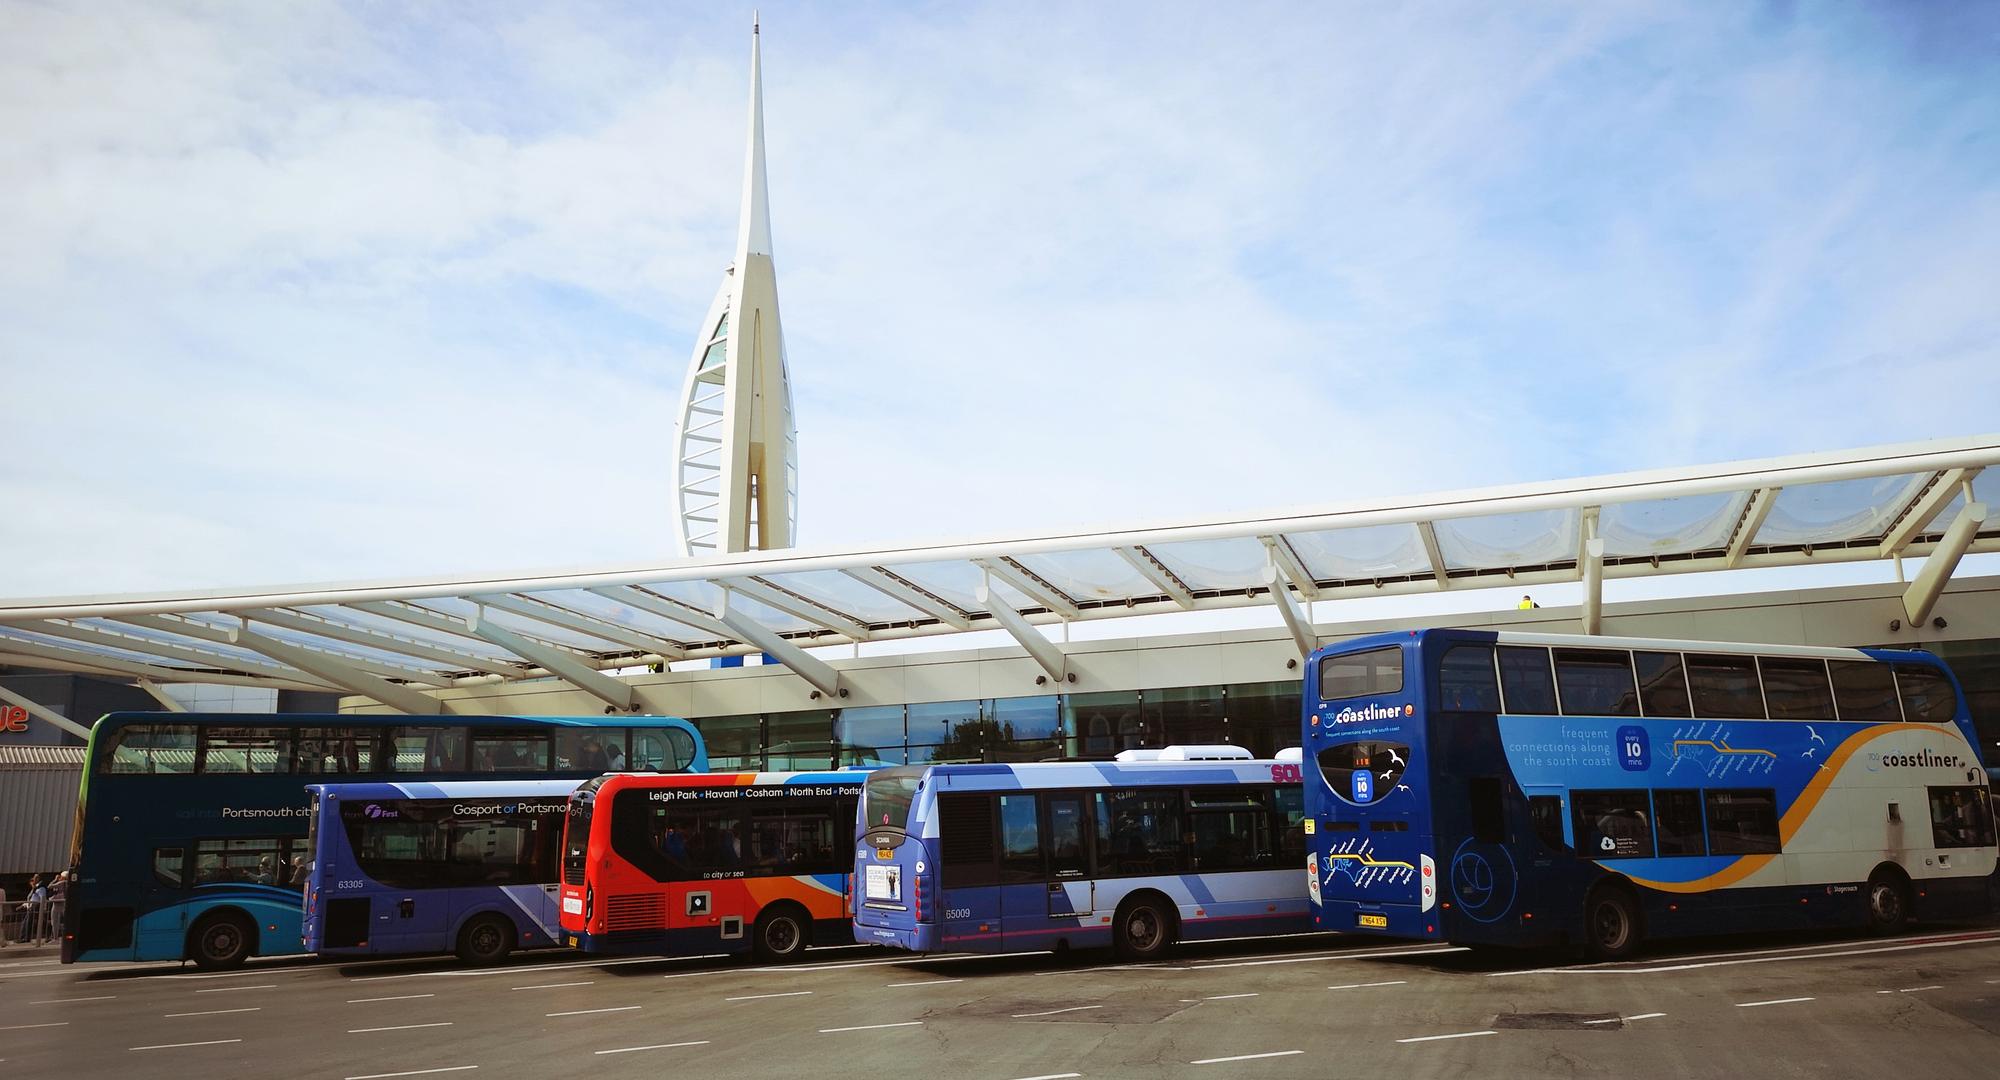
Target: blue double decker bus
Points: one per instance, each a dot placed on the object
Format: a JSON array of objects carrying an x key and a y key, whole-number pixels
[
  {"x": 470, "y": 867},
  {"x": 191, "y": 835},
  {"x": 1535, "y": 789}
]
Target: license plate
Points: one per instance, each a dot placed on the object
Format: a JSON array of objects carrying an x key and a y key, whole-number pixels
[
  {"x": 572, "y": 905},
  {"x": 885, "y": 883},
  {"x": 572, "y": 941},
  {"x": 1378, "y": 922},
  {"x": 884, "y": 854}
]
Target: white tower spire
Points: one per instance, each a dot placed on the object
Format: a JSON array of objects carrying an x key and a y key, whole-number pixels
[{"x": 736, "y": 475}]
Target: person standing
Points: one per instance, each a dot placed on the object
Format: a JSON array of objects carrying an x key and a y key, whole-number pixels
[
  {"x": 4, "y": 939},
  {"x": 58, "y": 896},
  {"x": 31, "y": 911}
]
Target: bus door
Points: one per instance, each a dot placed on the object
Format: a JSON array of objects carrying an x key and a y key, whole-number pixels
[
  {"x": 1024, "y": 903},
  {"x": 1548, "y": 815},
  {"x": 1069, "y": 887}
]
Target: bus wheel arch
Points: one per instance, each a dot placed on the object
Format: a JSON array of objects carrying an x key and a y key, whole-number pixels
[
  {"x": 1888, "y": 893},
  {"x": 221, "y": 938},
  {"x": 1613, "y": 924},
  {"x": 486, "y": 938},
  {"x": 1146, "y": 925},
  {"x": 782, "y": 932}
]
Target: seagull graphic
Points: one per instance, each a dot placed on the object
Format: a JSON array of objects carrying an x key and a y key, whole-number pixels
[
  {"x": 1814, "y": 735},
  {"x": 1397, "y": 758},
  {"x": 1402, "y": 787},
  {"x": 1809, "y": 751}
]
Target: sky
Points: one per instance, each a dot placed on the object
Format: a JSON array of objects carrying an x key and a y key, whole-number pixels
[{"x": 317, "y": 292}]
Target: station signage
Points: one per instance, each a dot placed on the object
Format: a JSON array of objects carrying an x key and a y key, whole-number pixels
[{"x": 13, "y": 720}]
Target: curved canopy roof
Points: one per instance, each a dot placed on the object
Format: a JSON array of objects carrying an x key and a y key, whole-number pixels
[{"x": 389, "y": 639}]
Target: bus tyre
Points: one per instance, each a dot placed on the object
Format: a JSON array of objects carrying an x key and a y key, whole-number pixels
[
  {"x": 1143, "y": 929},
  {"x": 1610, "y": 923},
  {"x": 220, "y": 941},
  {"x": 780, "y": 934},
  {"x": 486, "y": 940},
  {"x": 1888, "y": 902}
]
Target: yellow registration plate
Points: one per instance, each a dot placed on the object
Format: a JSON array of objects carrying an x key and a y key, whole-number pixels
[
  {"x": 572, "y": 941},
  {"x": 885, "y": 854},
  {"x": 1379, "y": 922}
]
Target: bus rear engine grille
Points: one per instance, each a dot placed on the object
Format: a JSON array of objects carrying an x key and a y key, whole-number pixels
[{"x": 638, "y": 911}]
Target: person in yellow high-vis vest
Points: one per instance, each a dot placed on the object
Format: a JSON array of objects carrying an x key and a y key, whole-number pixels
[{"x": 1528, "y": 602}]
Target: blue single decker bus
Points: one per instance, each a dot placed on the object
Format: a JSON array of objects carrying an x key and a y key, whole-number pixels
[
  {"x": 1535, "y": 789},
  {"x": 190, "y": 842},
  {"x": 471, "y": 867},
  {"x": 1156, "y": 847}
]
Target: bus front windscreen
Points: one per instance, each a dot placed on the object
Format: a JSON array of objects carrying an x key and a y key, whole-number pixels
[{"x": 888, "y": 795}]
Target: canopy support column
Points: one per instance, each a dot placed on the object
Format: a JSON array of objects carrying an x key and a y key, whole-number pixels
[
  {"x": 1045, "y": 652},
  {"x": 1923, "y": 593},
  {"x": 45, "y": 713},
  {"x": 1593, "y": 585},
  {"x": 819, "y": 673},
  {"x": 339, "y": 673},
  {"x": 557, "y": 662},
  {"x": 167, "y": 701},
  {"x": 1289, "y": 609}
]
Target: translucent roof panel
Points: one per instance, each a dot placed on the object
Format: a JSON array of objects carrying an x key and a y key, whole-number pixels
[
  {"x": 356, "y": 619},
  {"x": 1835, "y": 510},
  {"x": 843, "y": 595},
  {"x": 164, "y": 638},
  {"x": 608, "y": 610},
  {"x": 1670, "y": 526},
  {"x": 1215, "y": 564},
  {"x": 957, "y": 583},
  {"x": 1503, "y": 540},
  {"x": 707, "y": 596},
  {"x": 1089, "y": 575},
  {"x": 1371, "y": 551},
  {"x": 1985, "y": 489},
  {"x": 22, "y": 634},
  {"x": 535, "y": 629}
]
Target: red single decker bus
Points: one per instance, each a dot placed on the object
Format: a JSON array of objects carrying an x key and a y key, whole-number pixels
[{"x": 720, "y": 862}]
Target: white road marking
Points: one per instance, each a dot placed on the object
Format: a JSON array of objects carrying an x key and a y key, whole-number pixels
[
  {"x": 222, "y": 975},
  {"x": 1453, "y": 1035},
  {"x": 1331, "y": 956},
  {"x": 655, "y": 1046},
  {"x": 233, "y": 989},
  {"x": 1774, "y": 1001},
  {"x": 212, "y": 1012},
  {"x": 587, "y": 1012},
  {"x": 1227, "y": 997},
  {"x": 1732, "y": 963},
  {"x": 1916, "y": 989},
  {"x": 397, "y": 1027},
  {"x": 65, "y": 1001},
  {"x": 808, "y": 969},
  {"x": 871, "y": 1027},
  {"x": 553, "y": 986},
  {"x": 1365, "y": 986},
  {"x": 412, "y": 1072},
  {"x": 933, "y": 982},
  {"x": 176, "y": 1046},
  {"x": 518, "y": 968},
  {"x": 1626, "y": 1019},
  {"x": 760, "y": 997},
  {"x": 24, "y": 1027},
  {"x": 1051, "y": 1076},
  {"x": 398, "y": 997},
  {"x": 1246, "y": 1057},
  {"x": 1905, "y": 940},
  {"x": 1053, "y": 1012}
]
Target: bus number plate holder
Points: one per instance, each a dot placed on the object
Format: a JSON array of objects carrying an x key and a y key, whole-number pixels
[{"x": 1373, "y": 922}]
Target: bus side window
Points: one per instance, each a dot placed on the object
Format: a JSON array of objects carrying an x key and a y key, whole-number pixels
[
  {"x": 1663, "y": 688},
  {"x": 1742, "y": 821},
  {"x": 1526, "y": 681},
  {"x": 1677, "y": 813},
  {"x": 1020, "y": 839},
  {"x": 1545, "y": 813},
  {"x": 1465, "y": 680},
  {"x": 1926, "y": 693},
  {"x": 170, "y": 867},
  {"x": 1483, "y": 797},
  {"x": 966, "y": 852}
]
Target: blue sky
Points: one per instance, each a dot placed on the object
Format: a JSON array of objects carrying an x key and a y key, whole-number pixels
[{"x": 316, "y": 292}]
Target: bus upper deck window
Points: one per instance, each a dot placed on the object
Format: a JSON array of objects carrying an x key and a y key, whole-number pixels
[
  {"x": 1927, "y": 695},
  {"x": 1375, "y": 671},
  {"x": 1526, "y": 681},
  {"x": 1465, "y": 680}
]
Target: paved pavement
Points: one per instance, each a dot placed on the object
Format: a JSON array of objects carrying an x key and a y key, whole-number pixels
[{"x": 1314, "y": 1006}]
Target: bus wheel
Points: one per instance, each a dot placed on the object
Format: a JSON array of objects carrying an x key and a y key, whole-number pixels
[
  {"x": 1888, "y": 902},
  {"x": 780, "y": 935},
  {"x": 220, "y": 941},
  {"x": 1610, "y": 923},
  {"x": 486, "y": 940},
  {"x": 1142, "y": 930}
]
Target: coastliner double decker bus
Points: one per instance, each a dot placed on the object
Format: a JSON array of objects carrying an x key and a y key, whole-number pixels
[
  {"x": 726, "y": 862},
  {"x": 1137, "y": 853},
  {"x": 190, "y": 841},
  {"x": 470, "y": 867},
  {"x": 1534, "y": 789}
]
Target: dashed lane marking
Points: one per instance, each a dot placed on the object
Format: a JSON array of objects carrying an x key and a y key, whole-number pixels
[
  {"x": 1748, "y": 960},
  {"x": 1453, "y": 1035},
  {"x": 1055, "y": 1012},
  {"x": 588, "y": 1012},
  {"x": 655, "y": 1046},
  {"x": 412, "y": 1072},
  {"x": 1246, "y": 1057},
  {"x": 1227, "y": 997},
  {"x": 211, "y": 1012},
  {"x": 177, "y": 1046},
  {"x": 760, "y": 997},
  {"x": 24, "y": 1027},
  {"x": 553, "y": 986},
  {"x": 933, "y": 982},
  {"x": 871, "y": 1027},
  {"x": 1051, "y": 1076},
  {"x": 66, "y": 1001},
  {"x": 1624, "y": 1019},
  {"x": 234, "y": 989},
  {"x": 398, "y": 1027},
  {"x": 1329, "y": 956},
  {"x": 1773, "y": 1001},
  {"x": 1366, "y": 986},
  {"x": 398, "y": 997}
]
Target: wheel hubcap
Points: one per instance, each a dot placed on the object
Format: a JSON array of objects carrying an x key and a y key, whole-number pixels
[
  {"x": 783, "y": 936},
  {"x": 222, "y": 941},
  {"x": 1145, "y": 929},
  {"x": 1887, "y": 904},
  {"x": 1610, "y": 926}
]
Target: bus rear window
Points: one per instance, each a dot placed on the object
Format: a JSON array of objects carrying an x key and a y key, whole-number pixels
[
  {"x": 887, "y": 798},
  {"x": 1346, "y": 675}
]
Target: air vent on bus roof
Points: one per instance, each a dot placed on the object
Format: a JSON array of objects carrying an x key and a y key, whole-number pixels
[
  {"x": 1221, "y": 752},
  {"x": 1289, "y": 753}
]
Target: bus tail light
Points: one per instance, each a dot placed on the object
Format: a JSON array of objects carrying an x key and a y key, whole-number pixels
[{"x": 918, "y": 893}]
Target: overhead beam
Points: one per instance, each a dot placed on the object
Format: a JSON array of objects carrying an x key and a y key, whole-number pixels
[
  {"x": 28, "y": 654},
  {"x": 1761, "y": 501},
  {"x": 771, "y": 596},
  {"x": 1428, "y": 531},
  {"x": 164, "y": 649},
  {"x": 1281, "y": 553},
  {"x": 1042, "y": 649},
  {"x": 665, "y": 609},
  {"x": 557, "y": 662},
  {"x": 806, "y": 666},
  {"x": 45, "y": 713},
  {"x": 1593, "y": 585},
  {"x": 339, "y": 672},
  {"x": 457, "y": 661},
  {"x": 1289, "y": 609},
  {"x": 1923, "y": 593},
  {"x": 1925, "y": 507},
  {"x": 580, "y": 623},
  {"x": 167, "y": 701},
  {"x": 182, "y": 627},
  {"x": 903, "y": 592},
  {"x": 403, "y": 611},
  {"x": 1029, "y": 586},
  {"x": 1138, "y": 558}
]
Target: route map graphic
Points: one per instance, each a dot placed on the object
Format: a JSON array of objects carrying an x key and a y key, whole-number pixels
[
  {"x": 1705, "y": 747},
  {"x": 1356, "y": 859}
]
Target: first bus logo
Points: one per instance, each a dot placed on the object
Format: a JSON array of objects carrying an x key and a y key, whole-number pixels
[{"x": 375, "y": 810}]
